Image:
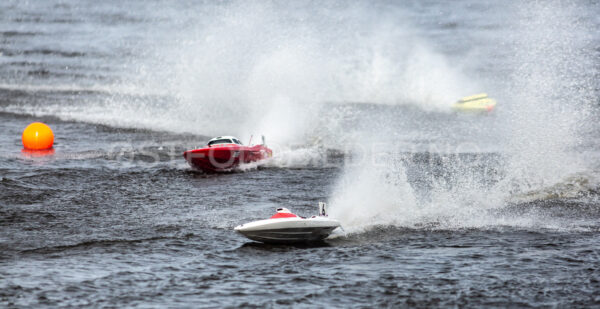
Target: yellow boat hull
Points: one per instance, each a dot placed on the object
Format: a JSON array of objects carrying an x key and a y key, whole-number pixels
[{"x": 475, "y": 103}]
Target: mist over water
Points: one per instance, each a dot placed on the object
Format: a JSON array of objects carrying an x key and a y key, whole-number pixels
[
  {"x": 544, "y": 109},
  {"x": 350, "y": 77},
  {"x": 314, "y": 78},
  {"x": 268, "y": 68},
  {"x": 439, "y": 208},
  {"x": 552, "y": 50}
]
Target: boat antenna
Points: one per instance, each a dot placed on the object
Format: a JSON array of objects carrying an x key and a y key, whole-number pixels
[
  {"x": 250, "y": 141},
  {"x": 263, "y": 141},
  {"x": 322, "y": 210}
]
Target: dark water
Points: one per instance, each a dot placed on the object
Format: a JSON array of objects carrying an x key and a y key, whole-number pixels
[{"x": 439, "y": 209}]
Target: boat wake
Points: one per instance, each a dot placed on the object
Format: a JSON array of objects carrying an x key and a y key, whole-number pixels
[
  {"x": 577, "y": 186},
  {"x": 375, "y": 196}
]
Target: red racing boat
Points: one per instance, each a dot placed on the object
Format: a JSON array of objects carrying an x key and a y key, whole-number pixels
[{"x": 224, "y": 153}]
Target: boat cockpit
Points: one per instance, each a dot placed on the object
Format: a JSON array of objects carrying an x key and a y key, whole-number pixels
[{"x": 224, "y": 140}]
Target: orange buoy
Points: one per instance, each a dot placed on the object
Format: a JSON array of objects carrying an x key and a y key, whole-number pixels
[{"x": 37, "y": 136}]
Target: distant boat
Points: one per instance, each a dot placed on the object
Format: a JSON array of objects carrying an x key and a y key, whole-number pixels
[
  {"x": 475, "y": 103},
  {"x": 224, "y": 153}
]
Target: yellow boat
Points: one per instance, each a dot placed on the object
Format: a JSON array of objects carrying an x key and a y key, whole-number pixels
[{"x": 475, "y": 103}]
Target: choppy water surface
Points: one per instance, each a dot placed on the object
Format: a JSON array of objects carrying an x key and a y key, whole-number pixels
[{"x": 439, "y": 209}]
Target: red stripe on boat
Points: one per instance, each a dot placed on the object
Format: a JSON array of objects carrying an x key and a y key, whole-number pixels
[{"x": 283, "y": 215}]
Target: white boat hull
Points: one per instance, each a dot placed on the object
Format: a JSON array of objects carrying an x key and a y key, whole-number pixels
[{"x": 289, "y": 230}]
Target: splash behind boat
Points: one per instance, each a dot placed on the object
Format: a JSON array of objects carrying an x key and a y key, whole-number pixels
[
  {"x": 286, "y": 227},
  {"x": 224, "y": 153}
]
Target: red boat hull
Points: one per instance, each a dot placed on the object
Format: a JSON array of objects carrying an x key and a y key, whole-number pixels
[{"x": 223, "y": 158}]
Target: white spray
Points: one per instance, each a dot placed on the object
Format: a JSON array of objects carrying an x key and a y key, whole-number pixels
[{"x": 544, "y": 107}]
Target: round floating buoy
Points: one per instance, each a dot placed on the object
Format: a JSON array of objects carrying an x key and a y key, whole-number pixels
[{"x": 37, "y": 136}]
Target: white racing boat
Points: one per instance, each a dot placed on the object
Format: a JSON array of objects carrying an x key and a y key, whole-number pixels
[{"x": 286, "y": 227}]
